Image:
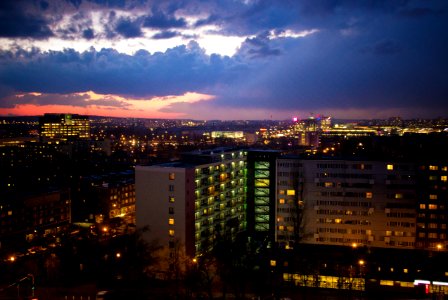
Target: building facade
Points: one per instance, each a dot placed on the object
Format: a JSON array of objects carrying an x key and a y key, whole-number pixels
[
  {"x": 64, "y": 127},
  {"x": 195, "y": 201}
]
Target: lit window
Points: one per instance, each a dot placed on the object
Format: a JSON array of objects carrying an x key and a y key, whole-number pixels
[
  {"x": 369, "y": 195},
  {"x": 422, "y": 206},
  {"x": 281, "y": 201},
  {"x": 432, "y": 206},
  {"x": 433, "y": 197},
  {"x": 171, "y": 221},
  {"x": 290, "y": 192},
  {"x": 281, "y": 227},
  {"x": 390, "y": 167},
  {"x": 433, "y": 168},
  {"x": 445, "y": 168},
  {"x": 171, "y": 232},
  {"x": 398, "y": 196},
  {"x": 171, "y": 176},
  {"x": 444, "y": 178},
  {"x": 328, "y": 184},
  {"x": 171, "y": 199},
  {"x": 432, "y": 235},
  {"x": 273, "y": 263},
  {"x": 281, "y": 192}
]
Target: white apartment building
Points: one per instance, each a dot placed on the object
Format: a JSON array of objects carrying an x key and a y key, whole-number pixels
[{"x": 195, "y": 201}]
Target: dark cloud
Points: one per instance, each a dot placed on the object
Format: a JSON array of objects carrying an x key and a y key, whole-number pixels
[
  {"x": 15, "y": 22},
  {"x": 88, "y": 34},
  {"x": 387, "y": 47},
  {"x": 178, "y": 70},
  {"x": 421, "y": 12},
  {"x": 166, "y": 34},
  {"x": 80, "y": 100},
  {"x": 259, "y": 46},
  {"x": 128, "y": 28},
  {"x": 44, "y": 5},
  {"x": 160, "y": 20}
]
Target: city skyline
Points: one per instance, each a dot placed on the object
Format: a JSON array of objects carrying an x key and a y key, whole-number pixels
[{"x": 224, "y": 60}]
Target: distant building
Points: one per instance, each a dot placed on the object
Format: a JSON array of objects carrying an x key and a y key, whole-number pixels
[
  {"x": 195, "y": 201},
  {"x": 64, "y": 127},
  {"x": 28, "y": 216},
  {"x": 101, "y": 198}
]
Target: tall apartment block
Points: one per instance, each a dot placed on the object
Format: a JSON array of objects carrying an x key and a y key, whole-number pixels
[
  {"x": 432, "y": 208},
  {"x": 64, "y": 127},
  {"x": 194, "y": 201}
]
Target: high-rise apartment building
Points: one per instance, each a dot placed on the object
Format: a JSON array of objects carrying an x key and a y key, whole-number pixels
[
  {"x": 195, "y": 201},
  {"x": 432, "y": 208},
  {"x": 64, "y": 127}
]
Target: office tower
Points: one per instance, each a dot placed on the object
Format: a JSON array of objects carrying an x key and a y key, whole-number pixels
[
  {"x": 359, "y": 203},
  {"x": 195, "y": 201},
  {"x": 64, "y": 127}
]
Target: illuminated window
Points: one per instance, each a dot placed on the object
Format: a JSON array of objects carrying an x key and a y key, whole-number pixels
[
  {"x": 369, "y": 195},
  {"x": 444, "y": 178},
  {"x": 432, "y": 206},
  {"x": 281, "y": 227},
  {"x": 171, "y": 221},
  {"x": 422, "y": 206},
  {"x": 281, "y": 192},
  {"x": 171, "y": 176},
  {"x": 290, "y": 192},
  {"x": 444, "y": 168},
  {"x": 433, "y": 197},
  {"x": 171, "y": 199},
  {"x": 398, "y": 196},
  {"x": 432, "y": 235},
  {"x": 390, "y": 167},
  {"x": 281, "y": 201},
  {"x": 171, "y": 232},
  {"x": 388, "y": 233},
  {"x": 273, "y": 263},
  {"x": 328, "y": 184},
  {"x": 433, "y": 168}
]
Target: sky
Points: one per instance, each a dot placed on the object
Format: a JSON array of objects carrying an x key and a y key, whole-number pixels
[{"x": 225, "y": 59}]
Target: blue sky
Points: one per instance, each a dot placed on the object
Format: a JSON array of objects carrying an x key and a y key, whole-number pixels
[{"x": 224, "y": 59}]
